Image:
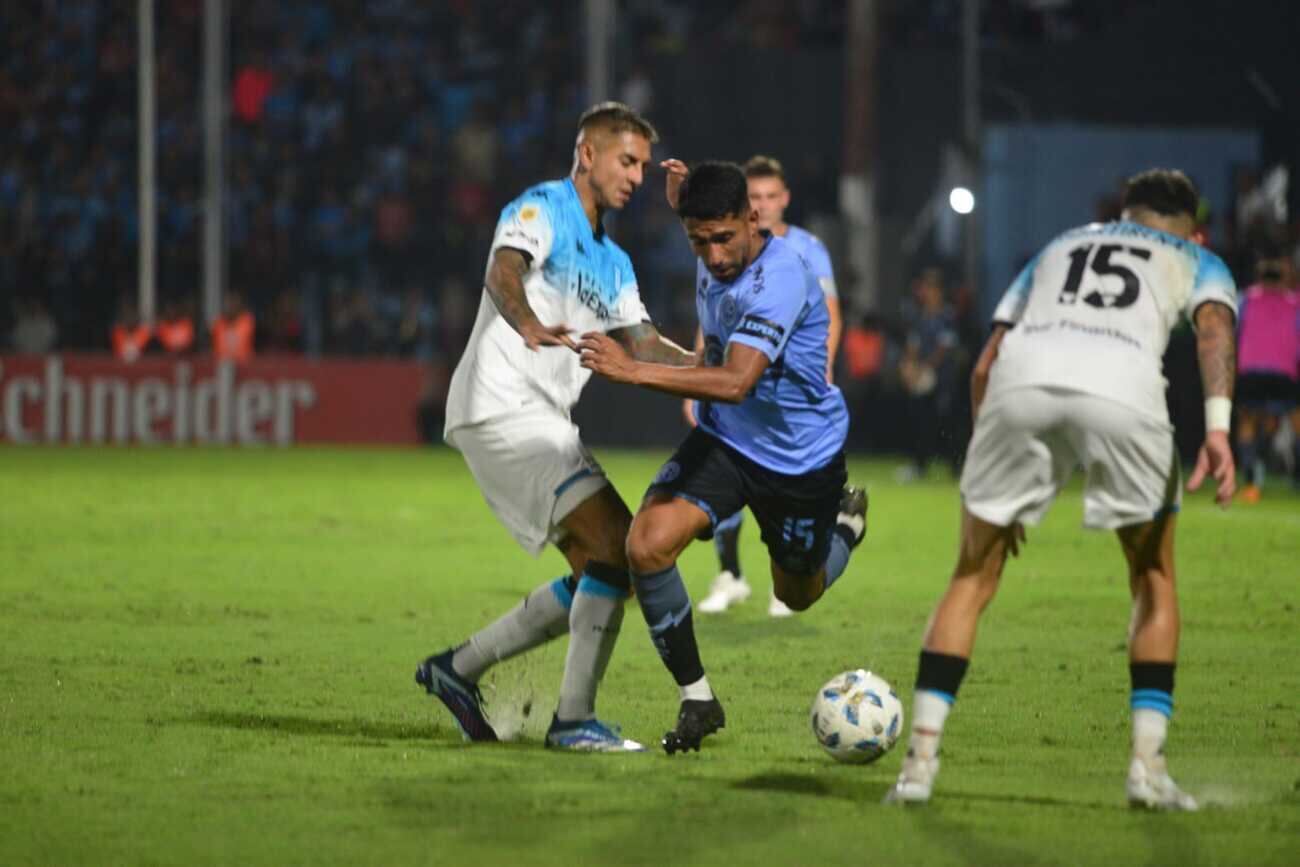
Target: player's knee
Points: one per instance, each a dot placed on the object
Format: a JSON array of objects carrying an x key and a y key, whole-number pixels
[
  {"x": 648, "y": 549},
  {"x": 797, "y": 596}
]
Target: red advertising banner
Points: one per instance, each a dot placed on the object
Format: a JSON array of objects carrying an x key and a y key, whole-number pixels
[{"x": 272, "y": 400}]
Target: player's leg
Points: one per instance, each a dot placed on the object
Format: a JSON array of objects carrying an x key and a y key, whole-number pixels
[
  {"x": 594, "y": 532},
  {"x": 1248, "y": 441},
  {"x": 947, "y": 647},
  {"x": 1153, "y": 654},
  {"x": 698, "y": 483},
  {"x": 729, "y": 587},
  {"x": 793, "y": 583},
  {"x": 1015, "y": 465},
  {"x": 1294, "y": 416}
]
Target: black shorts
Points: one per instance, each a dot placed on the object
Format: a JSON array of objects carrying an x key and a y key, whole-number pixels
[
  {"x": 1274, "y": 392},
  {"x": 796, "y": 514}
]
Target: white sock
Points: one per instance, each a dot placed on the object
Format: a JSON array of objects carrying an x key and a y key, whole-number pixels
[
  {"x": 594, "y": 623},
  {"x": 542, "y": 615},
  {"x": 929, "y": 712},
  {"x": 1149, "y": 730},
  {"x": 697, "y": 691}
]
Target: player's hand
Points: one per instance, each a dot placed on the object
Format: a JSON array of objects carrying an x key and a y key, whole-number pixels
[
  {"x": 688, "y": 412},
  {"x": 1215, "y": 459},
  {"x": 677, "y": 173},
  {"x": 606, "y": 356},
  {"x": 537, "y": 335}
]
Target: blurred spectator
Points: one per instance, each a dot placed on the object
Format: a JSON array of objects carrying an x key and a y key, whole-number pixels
[
  {"x": 415, "y": 327},
  {"x": 1268, "y": 364},
  {"x": 928, "y": 372},
  {"x": 175, "y": 329},
  {"x": 34, "y": 331},
  {"x": 130, "y": 335},
  {"x": 232, "y": 331},
  {"x": 283, "y": 332},
  {"x": 252, "y": 86}
]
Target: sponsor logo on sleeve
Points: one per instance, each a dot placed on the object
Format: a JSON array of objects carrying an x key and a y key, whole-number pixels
[{"x": 766, "y": 329}]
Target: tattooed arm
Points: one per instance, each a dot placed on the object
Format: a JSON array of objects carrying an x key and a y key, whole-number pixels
[
  {"x": 1216, "y": 348},
  {"x": 505, "y": 286},
  {"x": 644, "y": 343},
  {"x": 1216, "y": 351}
]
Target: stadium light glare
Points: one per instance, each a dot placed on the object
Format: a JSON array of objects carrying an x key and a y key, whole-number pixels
[{"x": 961, "y": 200}]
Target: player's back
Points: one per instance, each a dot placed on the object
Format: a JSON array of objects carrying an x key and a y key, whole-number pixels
[{"x": 1093, "y": 311}]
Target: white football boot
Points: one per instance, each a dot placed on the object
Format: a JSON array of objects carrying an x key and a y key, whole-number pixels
[
  {"x": 1150, "y": 787},
  {"x": 777, "y": 608},
  {"x": 915, "y": 781},
  {"x": 725, "y": 591}
]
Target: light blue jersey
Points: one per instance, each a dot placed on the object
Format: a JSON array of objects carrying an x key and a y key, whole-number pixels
[
  {"x": 576, "y": 277},
  {"x": 793, "y": 421},
  {"x": 815, "y": 255}
]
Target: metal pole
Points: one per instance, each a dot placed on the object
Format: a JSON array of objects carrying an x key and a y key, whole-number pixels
[
  {"x": 973, "y": 144},
  {"x": 600, "y": 34},
  {"x": 857, "y": 171},
  {"x": 214, "y": 101},
  {"x": 146, "y": 135}
]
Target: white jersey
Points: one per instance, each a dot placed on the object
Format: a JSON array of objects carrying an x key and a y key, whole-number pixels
[
  {"x": 1093, "y": 311},
  {"x": 576, "y": 277}
]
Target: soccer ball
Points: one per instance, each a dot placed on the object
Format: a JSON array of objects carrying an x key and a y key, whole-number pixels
[{"x": 856, "y": 717}]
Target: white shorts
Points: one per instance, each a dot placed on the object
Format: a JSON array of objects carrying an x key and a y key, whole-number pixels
[
  {"x": 533, "y": 471},
  {"x": 1028, "y": 442}
]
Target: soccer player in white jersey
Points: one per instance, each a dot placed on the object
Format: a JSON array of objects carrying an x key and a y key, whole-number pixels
[
  {"x": 552, "y": 272},
  {"x": 1071, "y": 376},
  {"x": 769, "y": 196}
]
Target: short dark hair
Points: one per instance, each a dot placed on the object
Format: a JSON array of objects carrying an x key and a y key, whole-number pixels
[
  {"x": 713, "y": 190},
  {"x": 615, "y": 117},
  {"x": 760, "y": 166},
  {"x": 1165, "y": 191}
]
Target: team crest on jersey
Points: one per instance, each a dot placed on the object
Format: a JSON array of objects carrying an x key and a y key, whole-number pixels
[
  {"x": 528, "y": 212},
  {"x": 728, "y": 312}
]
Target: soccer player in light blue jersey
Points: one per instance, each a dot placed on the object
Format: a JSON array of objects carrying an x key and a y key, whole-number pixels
[
  {"x": 552, "y": 272},
  {"x": 770, "y": 434},
  {"x": 769, "y": 196}
]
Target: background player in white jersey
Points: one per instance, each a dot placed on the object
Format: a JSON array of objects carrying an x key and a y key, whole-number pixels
[
  {"x": 552, "y": 271},
  {"x": 769, "y": 196},
  {"x": 1072, "y": 376}
]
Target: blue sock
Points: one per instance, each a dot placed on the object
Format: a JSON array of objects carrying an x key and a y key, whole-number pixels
[
  {"x": 838, "y": 559},
  {"x": 666, "y": 607},
  {"x": 1249, "y": 452}
]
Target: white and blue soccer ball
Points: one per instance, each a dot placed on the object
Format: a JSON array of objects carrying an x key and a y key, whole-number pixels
[{"x": 857, "y": 717}]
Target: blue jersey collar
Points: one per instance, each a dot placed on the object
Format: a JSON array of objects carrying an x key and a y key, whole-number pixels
[{"x": 597, "y": 235}]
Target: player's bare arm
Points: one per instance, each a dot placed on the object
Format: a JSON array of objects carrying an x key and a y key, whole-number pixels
[
  {"x": 979, "y": 378},
  {"x": 505, "y": 286},
  {"x": 728, "y": 383},
  {"x": 644, "y": 343},
  {"x": 1216, "y": 352}
]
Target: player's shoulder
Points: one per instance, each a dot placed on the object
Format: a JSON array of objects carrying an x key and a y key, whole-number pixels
[
  {"x": 805, "y": 238},
  {"x": 545, "y": 199}
]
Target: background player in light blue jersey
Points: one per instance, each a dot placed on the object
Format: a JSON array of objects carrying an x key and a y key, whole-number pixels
[
  {"x": 769, "y": 196},
  {"x": 552, "y": 271},
  {"x": 770, "y": 435}
]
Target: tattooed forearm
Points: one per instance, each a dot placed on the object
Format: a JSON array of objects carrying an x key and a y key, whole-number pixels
[
  {"x": 1216, "y": 348},
  {"x": 644, "y": 343},
  {"x": 505, "y": 286}
]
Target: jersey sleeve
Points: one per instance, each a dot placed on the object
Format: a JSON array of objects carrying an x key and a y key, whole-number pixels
[
  {"x": 528, "y": 225},
  {"x": 1012, "y": 305},
  {"x": 768, "y": 318},
  {"x": 819, "y": 263},
  {"x": 1213, "y": 282},
  {"x": 628, "y": 308}
]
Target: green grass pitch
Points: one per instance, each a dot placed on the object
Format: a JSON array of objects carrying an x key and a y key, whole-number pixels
[{"x": 208, "y": 657}]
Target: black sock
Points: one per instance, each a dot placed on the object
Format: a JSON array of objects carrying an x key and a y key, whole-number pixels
[
  {"x": 727, "y": 544},
  {"x": 667, "y": 611},
  {"x": 939, "y": 672}
]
